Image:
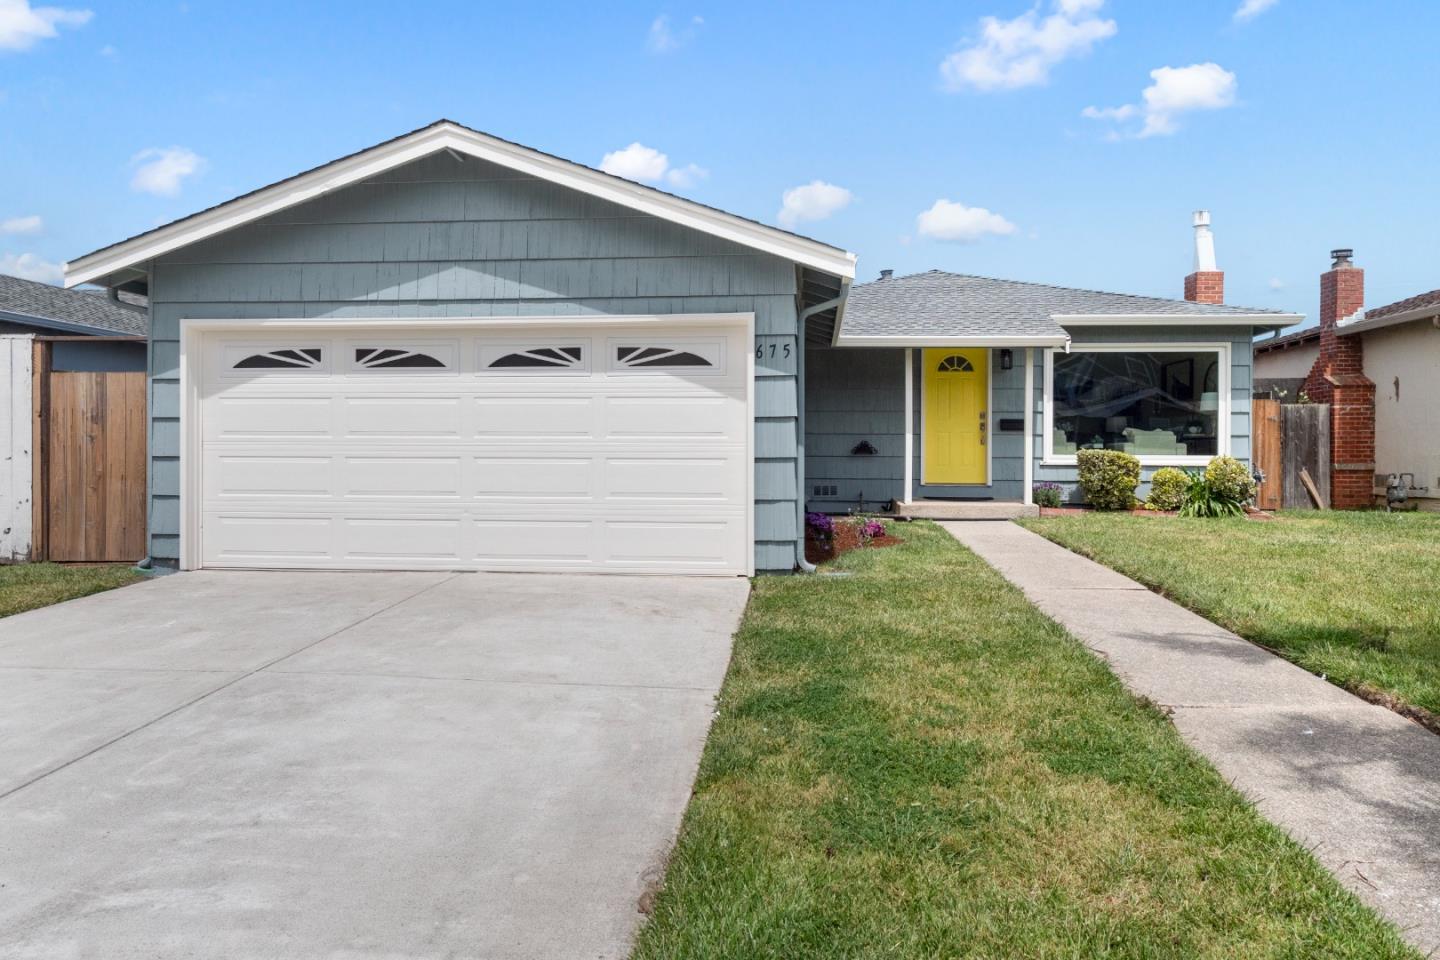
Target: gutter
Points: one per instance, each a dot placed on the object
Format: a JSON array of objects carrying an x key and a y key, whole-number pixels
[{"x": 805, "y": 566}]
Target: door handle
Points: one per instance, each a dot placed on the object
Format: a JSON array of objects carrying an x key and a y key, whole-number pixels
[{"x": 984, "y": 427}]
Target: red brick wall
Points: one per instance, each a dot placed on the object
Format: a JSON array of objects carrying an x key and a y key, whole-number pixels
[
  {"x": 1342, "y": 292},
  {"x": 1205, "y": 287},
  {"x": 1338, "y": 378}
]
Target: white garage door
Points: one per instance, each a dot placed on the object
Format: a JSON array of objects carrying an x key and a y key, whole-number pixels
[{"x": 599, "y": 448}]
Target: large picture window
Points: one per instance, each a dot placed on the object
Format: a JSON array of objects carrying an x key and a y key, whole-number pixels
[{"x": 1163, "y": 405}]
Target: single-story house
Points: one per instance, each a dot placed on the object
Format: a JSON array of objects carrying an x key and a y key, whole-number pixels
[
  {"x": 1376, "y": 368},
  {"x": 451, "y": 351}
]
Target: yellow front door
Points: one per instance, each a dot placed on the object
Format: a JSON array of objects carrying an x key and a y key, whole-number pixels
[{"x": 955, "y": 384}]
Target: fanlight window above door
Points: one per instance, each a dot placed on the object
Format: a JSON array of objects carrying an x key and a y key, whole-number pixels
[
  {"x": 297, "y": 358},
  {"x": 955, "y": 364},
  {"x": 371, "y": 358}
]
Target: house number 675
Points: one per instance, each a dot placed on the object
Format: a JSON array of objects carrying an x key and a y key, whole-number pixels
[{"x": 776, "y": 350}]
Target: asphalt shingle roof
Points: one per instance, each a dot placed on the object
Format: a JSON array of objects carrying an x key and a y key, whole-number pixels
[
  {"x": 1409, "y": 303},
  {"x": 944, "y": 304},
  {"x": 20, "y": 299}
]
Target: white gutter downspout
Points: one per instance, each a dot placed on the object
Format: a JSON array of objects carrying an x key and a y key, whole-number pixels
[{"x": 805, "y": 566}]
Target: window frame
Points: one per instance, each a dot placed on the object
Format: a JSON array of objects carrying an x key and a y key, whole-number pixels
[
  {"x": 718, "y": 368},
  {"x": 505, "y": 347},
  {"x": 1223, "y": 427},
  {"x": 447, "y": 351}
]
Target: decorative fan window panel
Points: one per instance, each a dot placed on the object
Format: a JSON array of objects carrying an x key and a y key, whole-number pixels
[
  {"x": 277, "y": 358},
  {"x": 397, "y": 358},
  {"x": 567, "y": 356},
  {"x": 955, "y": 364},
  {"x": 698, "y": 356}
]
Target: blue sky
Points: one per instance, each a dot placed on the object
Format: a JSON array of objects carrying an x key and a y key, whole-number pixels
[{"x": 1301, "y": 125}]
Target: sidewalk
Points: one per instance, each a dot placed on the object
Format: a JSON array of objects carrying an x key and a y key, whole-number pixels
[{"x": 1354, "y": 782}]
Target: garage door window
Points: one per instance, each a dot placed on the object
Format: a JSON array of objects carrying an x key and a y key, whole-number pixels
[
  {"x": 288, "y": 358},
  {"x": 534, "y": 358},
  {"x": 396, "y": 358},
  {"x": 668, "y": 356}
]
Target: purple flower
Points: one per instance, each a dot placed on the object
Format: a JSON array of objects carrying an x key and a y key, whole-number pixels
[{"x": 821, "y": 525}]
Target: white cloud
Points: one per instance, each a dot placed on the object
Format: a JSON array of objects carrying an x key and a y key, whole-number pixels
[
  {"x": 1253, "y": 8},
  {"x": 1020, "y": 52},
  {"x": 1277, "y": 284},
  {"x": 648, "y": 165},
  {"x": 1175, "y": 91},
  {"x": 957, "y": 223},
  {"x": 663, "y": 37},
  {"x": 686, "y": 176},
  {"x": 27, "y": 266},
  {"x": 161, "y": 171},
  {"x": 31, "y": 224},
  {"x": 22, "y": 26},
  {"x": 815, "y": 200}
]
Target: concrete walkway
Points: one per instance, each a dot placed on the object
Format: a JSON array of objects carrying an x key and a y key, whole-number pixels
[{"x": 1357, "y": 783}]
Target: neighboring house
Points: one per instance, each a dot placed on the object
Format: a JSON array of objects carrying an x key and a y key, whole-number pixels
[
  {"x": 1282, "y": 363},
  {"x": 1377, "y": 368},
  {"x": 451, "y": 351},
  {"x": 83, "y": 331}
]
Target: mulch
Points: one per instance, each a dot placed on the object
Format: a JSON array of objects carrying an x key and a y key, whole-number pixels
[{"x": 847, "y": 537}]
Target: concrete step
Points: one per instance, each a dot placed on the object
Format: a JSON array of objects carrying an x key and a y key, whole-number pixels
[{"x": 965, "y": 510}]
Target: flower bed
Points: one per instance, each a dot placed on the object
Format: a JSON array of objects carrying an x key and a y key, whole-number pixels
[{"x": 827, "y": 537}]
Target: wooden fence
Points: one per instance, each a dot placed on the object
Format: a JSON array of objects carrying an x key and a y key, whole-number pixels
[
  {"x": 1291, "y": 445},
  {"x": 88, "y": 469}
]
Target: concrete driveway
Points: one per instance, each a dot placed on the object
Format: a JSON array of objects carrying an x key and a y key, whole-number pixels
[{"x": 367, "y": 765}]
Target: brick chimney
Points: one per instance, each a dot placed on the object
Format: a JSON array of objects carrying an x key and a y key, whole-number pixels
[
  {"x": 1338, "y": 378},
  {"x": 1206, "y": 284}
]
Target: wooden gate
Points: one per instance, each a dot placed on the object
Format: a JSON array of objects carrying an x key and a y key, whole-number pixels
[
  {"x": 1265, "y": 418},
  {"x": 89, "y": 477}
]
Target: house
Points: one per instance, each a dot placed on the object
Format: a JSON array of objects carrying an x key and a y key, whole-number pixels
[
  {"x": 70, "y": 331},
  {"x": 1376, "y": 368},
  {"x": 451, "y": 351}
]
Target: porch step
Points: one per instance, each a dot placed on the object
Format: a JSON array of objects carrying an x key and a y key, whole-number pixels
[{"x": 965, "y": 510}]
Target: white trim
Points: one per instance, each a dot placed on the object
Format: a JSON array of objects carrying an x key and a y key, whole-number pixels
[
  {"x": 451, "y": 136},
  {"x": 909, "y": 495},
  {"x": 968, "y": 341},
  {"x": 192, "y": 339},
  {"x": 1171, "y": 319},
  {"x": 1029, "y": 475},
  {"x": 989, "y": 412},
  {"x": 1222, "y": 414}
]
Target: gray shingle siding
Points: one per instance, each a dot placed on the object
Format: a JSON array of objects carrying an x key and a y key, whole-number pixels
[{"x": 440, "y": 238}]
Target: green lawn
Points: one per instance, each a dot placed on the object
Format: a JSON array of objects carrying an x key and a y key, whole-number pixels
[
  {"x": 25, "y": 586},
  {"x": 913, "y": 762},
  {"x": 1353, "y": 596}
]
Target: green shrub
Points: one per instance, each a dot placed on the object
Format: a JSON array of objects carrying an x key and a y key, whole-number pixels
[
  {"x": 1202, "y": 499},
  {"x": 1047, "y": 494},
  {"x": 1231, "y": 480},
  {"x": 1108, "y": 478},
  {"x": 1167, "y": 489}
]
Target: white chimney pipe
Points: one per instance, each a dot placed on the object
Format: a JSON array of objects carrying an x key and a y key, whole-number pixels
[{"x": 1204, "y": 243}]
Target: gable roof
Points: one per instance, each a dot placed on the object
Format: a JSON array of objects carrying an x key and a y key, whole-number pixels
[
  {"x": 951, "y": 309},
  {"x": 1299, "y": 338},
  {"x": 88, "y": 312},
  {"x": 1424, "y": 306},
  {"x": 125, "y": 260}
]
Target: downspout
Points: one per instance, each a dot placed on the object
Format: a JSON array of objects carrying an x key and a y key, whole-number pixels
[{"x": 805, "y": 566}]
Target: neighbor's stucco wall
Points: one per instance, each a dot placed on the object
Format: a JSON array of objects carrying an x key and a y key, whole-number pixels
[
  {"x": 445, "y": 238},
  {"x": 1287, "y": 363},
  {"x": 1404, "y": 363},
  {"x": 855, "y": 394}
]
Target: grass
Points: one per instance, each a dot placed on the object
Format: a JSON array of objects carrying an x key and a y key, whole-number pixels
[
  {"x": 25, "y": 586},
  {"x": 1352, "y": 596},
  {"x": 913, "y": 762}
]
